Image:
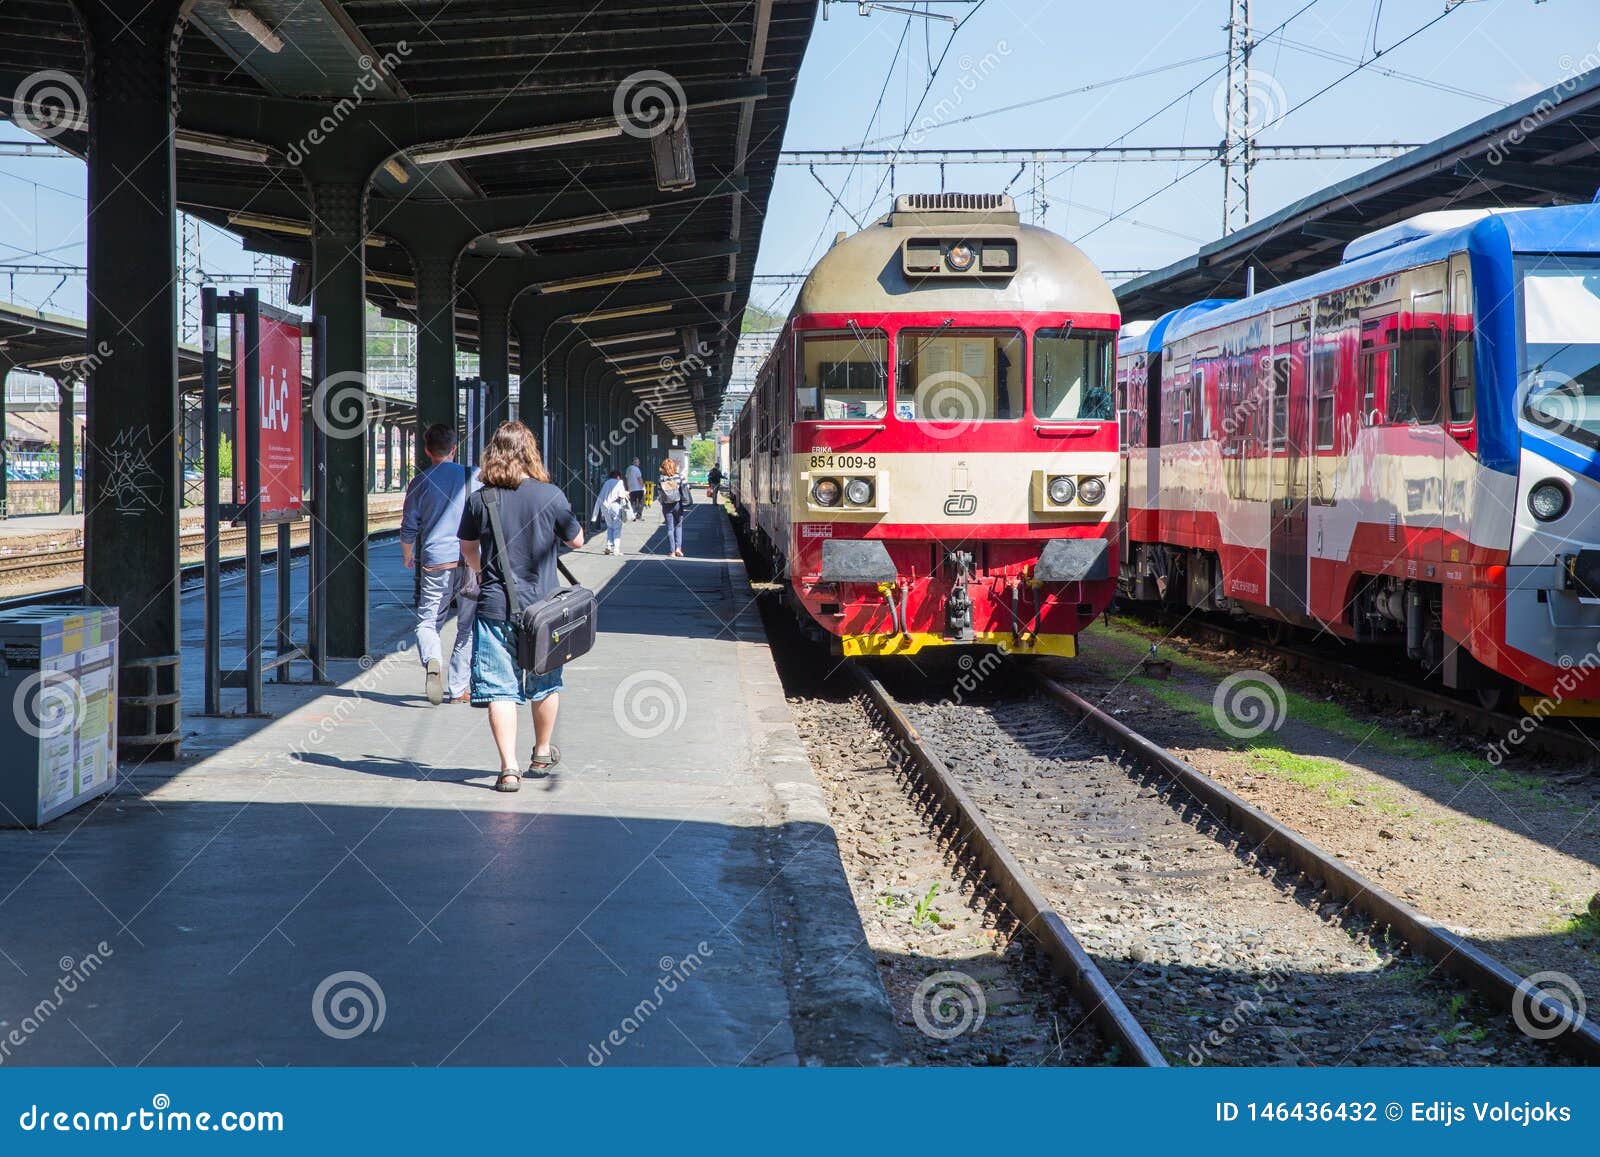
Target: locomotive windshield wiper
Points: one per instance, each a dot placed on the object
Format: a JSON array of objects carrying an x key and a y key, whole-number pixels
[
  {"x": 921, "y": 345},
  {"x": 1048, "y": 377},
  {"x": 863, "y": 341}
]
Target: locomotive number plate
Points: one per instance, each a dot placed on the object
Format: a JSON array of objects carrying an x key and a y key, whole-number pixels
[
  {"x": 844, "y": 462},
  {"x": 816, "y": 530}
]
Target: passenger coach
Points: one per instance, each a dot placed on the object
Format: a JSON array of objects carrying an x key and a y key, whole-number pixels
[
  {"x": 1403, "y": 449},
  {"x": 930, "y": 455}
]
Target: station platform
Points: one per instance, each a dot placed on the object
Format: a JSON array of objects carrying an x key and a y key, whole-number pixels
[{"x": 340, "y": 885}]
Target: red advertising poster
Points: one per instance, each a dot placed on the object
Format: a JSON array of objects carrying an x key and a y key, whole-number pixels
[{"x": 280, "y": 418}]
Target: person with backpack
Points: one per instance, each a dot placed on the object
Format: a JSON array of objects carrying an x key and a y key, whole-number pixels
[
  {"x": 434, "y": 501},
  {"x": 612, "y": 506},
  {"x": 672, "y": 490},
  {"x": 510, "y": 534}
]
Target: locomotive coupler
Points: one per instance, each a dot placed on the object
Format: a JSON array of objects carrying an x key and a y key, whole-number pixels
[{"x": 958, "y": 609}]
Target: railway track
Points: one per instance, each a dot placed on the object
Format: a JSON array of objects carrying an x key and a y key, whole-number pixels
[
  {"x": 19, "y": 572},
  {"x": 1563, "y": 739},
  {"x": 1191, "y": 926}
]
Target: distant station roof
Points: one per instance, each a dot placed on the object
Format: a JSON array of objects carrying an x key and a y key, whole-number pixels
[
  {"x": 57, "y": 346},
  {"x": 1544, "y": 150},
  {"x": 489, "y": 74}
]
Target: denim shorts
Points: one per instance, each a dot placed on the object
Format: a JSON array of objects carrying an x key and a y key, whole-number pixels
[{"x": 496, "y": 677}]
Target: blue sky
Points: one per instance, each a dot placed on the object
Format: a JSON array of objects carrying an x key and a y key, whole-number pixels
[
  {"x": 1482, "y": 55},
  {"x": 1498, "y": 51}
]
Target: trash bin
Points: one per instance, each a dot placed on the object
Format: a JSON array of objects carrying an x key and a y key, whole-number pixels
[{"x": 58, "y": 717}]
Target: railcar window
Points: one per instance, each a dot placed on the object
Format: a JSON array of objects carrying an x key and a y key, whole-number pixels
[
  {"x": 953, "y": 375},
  {"x": 1378, "y": 370},
  {"x": 1421, "y": 362},
  {"x": 845, "y": 376},
  {"x": 1280, "y": 402},
  {"x": 1072, "y": 374},
  {"x": 1463, "y": 394},
  {"x": 1559, "y": 356}
]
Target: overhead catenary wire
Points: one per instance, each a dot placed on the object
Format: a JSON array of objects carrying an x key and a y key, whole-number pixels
[{"x": 1274, "y": 121}]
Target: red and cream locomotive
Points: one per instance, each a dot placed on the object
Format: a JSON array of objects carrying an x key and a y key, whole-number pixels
[{"x": 929, "y": 456}]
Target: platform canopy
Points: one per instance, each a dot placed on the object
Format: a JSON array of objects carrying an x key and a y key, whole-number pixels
[
  {"x": 1544, "y": 150},
  {"x": 536, "y": 118}
]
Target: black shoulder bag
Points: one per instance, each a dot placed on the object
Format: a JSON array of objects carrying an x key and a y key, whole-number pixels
[{"x": 559, "y": 627}]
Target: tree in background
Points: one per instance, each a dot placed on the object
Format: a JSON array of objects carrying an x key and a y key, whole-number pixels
[{"x": 702, "y": 453}]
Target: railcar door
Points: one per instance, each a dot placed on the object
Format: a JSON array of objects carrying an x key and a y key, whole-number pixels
[
  {"x": 1124, "y": 445},
  {"x": 1155, "y": 502},
  {"x": 1460, "y": 402},
  {"x": 1291, "y": 420},
  {"x": 1422, "y": 379}
]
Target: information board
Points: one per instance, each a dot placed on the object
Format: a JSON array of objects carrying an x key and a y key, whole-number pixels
[{"x": 281, "y": 497}]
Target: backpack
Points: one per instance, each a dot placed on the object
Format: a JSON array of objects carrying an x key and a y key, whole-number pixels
[{"x": 670, "y": 490}]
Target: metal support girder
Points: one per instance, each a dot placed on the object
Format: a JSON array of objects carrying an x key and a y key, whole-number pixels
[
  {"x": 339, "y": 404},
  {"x": 370, "y": 133},
  {"x": 1335, "y": 231},
  {"x": 501, "y": 214},
  {"x": 601, "y": 301},
  {"x": 132, "y": 472},
  {"x": 1565, "y": 181}
]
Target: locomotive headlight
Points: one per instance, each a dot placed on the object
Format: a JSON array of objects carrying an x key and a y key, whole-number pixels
[
  {"x": 858, "y": 492},
  {"x": 826, "y": 492},
  {"x": 960, "y": 258},
  {"x": 1549, "y": 501},
  {"x": 1061, "y": 490},
  {"x": 1091, "y": 490}
]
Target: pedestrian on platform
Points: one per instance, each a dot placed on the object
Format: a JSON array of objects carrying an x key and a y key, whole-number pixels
[
  {"x": 635, "y": 481},
  {"x": 535, "y": 518},
  {"x": 672, "y": 489},
  {"x": 435, "y": 499},
  {"x": 611, "y": 507},
  {"x": 714, "y": 482}
]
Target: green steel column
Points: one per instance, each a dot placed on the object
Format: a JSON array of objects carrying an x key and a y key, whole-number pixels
[
  {"x": 338, "y": 263},
  {"x": 494, "y": 349},
  {"x": 67, "y": 449},
  {"x": 436, "y": 345},
  {"x": 5, "y": 454},
  {"x": 131, "y": 462}
]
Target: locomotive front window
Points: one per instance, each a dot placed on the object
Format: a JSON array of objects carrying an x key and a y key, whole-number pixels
[
  {"x": 843, "y": 376},
  {"x": 1072, "y": 373},
  {"x": 1559, "y": 358},
  {"x": 955, "y": 375}
]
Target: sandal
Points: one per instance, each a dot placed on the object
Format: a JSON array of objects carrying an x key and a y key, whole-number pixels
[
  {"x": 537, "y": 766},
  {"x": 508, "y": 781}
]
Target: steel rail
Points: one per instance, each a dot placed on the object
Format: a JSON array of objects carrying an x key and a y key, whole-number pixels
[
  {"x": 191, "y": 570},
  {"x": 1490, "y": 978},
  {"x": 1546, "y": 739},
  {"x": 1014, "y": 886}
]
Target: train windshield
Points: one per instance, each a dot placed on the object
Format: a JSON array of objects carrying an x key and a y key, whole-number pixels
[
  {"x": 959, "y": 375},
  {"x": 1559, "y": 366},
  {"x": 843, "y": 376},
  {"x": 1073, "y": 375}
]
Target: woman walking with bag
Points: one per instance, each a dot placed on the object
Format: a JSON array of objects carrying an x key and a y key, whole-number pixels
[
  {"x": 673, "y": 491},
  {"x": 510, "y": 534},
  {"x": 612, "y": 505}
]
